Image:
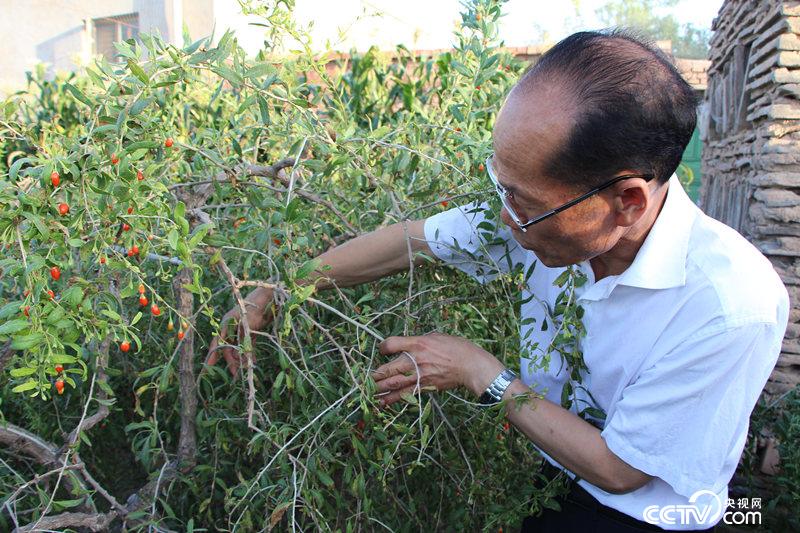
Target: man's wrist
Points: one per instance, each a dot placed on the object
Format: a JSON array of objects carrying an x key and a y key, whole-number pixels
[
  {"x": 484, "y": 374},
  {"x": 495, "y": 392}
]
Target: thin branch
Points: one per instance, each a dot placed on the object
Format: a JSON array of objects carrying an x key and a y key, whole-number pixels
[
  {"x": 100, "y": 489},
  {"x": 36, "y": 479},
  {"x": 100, "y": 376},
  {"x": 247, "y": 351},
  {"x": 256, "y": 170}
]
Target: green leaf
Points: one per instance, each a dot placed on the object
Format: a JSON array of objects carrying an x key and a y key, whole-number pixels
[
  {"x": 263, "y": 108},
  {"x": 124, "y": 49},
  {"x": 78, "y": 94},
  {"x": 192, "y": 48},
  {"x": 229, "y": 75},
  {"x": 260, "y": 70},
  {"x": 455, "y": 110},
  {"x": 22, "y": 372},
  {"x": 13, "y": 326},
  {"x": 325, "y": 478},
  {"x": 111, "y": 314},
  {"x": 180, "y": 217},
  {"x": 55, "y": 315},
  {"x": 37, "y": 221},
  {"x": 307, "y": 268},
  {"x": 66, "y": 504},
  {"x": 172, "y": 239},
  {"x": 138, "y": 71},
  {"x": 28, "y": 385},
  {"x": 106, "y": 387},
  {"x": 14, "y": 170},
  {"x": 291, "y": 210},
  {"x": 561, "y": 279},
  {"x": 199, "y": 232},
  {"x": 566, "y": 392},
  {"x": 72, "y": 296},
  {"x": 10, "y": 309},
  {"x": 594, "y": 412},
  {"x": 139, "y": 106},
  {"x": 26, "y": 342}
]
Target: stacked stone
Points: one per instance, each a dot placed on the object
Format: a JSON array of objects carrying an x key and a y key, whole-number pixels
[{"x": 751, "y": 153}]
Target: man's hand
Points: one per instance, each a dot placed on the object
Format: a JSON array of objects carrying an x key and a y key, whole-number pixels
[
  {"x": 255, "y": 303},
  {"x": 434, "y": 360}
]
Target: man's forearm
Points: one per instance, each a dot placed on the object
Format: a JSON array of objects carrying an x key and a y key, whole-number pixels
[
  {"x": 372, "y": 256},
  {"x": 573, "y": 442}
]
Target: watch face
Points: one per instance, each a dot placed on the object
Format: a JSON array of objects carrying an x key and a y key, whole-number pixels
[{"x": 494, "y": 393}]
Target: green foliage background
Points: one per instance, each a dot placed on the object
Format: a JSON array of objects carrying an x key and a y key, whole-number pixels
[{"x": 381, "y": 141}]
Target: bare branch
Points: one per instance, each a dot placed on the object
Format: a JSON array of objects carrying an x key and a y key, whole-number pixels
[
  {"x": 142, "y": 497},
  {"x": 16, "y": 438},
  {"x": 187, "y": 442},
  {"x": 247, "y": 351},
  {"x": 94, "y": 522},
  {"x": 203, "y": 191},
  {"x": 5, "y": 354}
]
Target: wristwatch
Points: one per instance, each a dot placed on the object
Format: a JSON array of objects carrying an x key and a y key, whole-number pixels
[{"x": 494, "y": 392}]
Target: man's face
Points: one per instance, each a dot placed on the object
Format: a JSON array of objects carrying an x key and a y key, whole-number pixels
[{"x": 528, "y": 130}]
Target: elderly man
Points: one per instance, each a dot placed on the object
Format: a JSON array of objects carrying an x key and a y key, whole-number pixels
[{"x": 684, "y": 318}]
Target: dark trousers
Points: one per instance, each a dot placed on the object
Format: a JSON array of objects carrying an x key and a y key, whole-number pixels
[{"x": 582, "y": 513}]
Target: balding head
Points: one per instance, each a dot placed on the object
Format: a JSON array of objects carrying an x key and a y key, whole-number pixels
[{"x": 605, "y": 102}]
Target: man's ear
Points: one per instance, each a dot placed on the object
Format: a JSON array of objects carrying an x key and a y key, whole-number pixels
[{"x": 632, "y": 197}]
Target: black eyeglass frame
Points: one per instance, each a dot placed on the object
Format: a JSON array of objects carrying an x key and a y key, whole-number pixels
[{"x": 503, "y": 193}]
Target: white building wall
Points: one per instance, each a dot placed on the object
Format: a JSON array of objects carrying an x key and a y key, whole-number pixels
[{"x": 59, "y": 32}]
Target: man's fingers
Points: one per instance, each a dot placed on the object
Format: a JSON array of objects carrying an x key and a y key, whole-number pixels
[
  {"x": 213, "y": 356},
  {"x": 397, "y": 382},
  {"x": 397, "y": 395},
  {"x": 396, "y": 344},
  {"x": 232, "y": 358},
  {"x": 399, "y": 365}
]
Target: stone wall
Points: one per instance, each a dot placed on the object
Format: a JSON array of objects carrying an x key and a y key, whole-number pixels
[{"x": 751, "y": 153}]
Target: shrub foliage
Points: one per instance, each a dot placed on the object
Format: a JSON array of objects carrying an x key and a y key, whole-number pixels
[{"x": 272, "y": 161}]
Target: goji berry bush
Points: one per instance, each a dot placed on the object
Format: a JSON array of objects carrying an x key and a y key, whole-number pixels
[{"x": 140, "y": 200}]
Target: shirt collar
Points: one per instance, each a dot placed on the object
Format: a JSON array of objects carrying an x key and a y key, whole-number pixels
[{"x": 661, "y": 261}]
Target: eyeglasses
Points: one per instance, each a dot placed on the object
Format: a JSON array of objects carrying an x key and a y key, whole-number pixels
[{"x": 505, "y": 194}]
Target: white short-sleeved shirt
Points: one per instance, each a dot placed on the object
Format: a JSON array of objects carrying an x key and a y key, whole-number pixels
[{"x": 678, "y": 347}]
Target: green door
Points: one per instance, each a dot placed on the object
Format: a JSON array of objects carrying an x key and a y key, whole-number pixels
[{"x": 689, "y": 171}]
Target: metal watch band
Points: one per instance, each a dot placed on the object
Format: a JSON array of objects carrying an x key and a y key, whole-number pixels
[{"x": 494, "y": 392}]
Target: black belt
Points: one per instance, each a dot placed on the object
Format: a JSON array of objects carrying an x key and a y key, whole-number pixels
[{"x": 580, "y": 496}]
